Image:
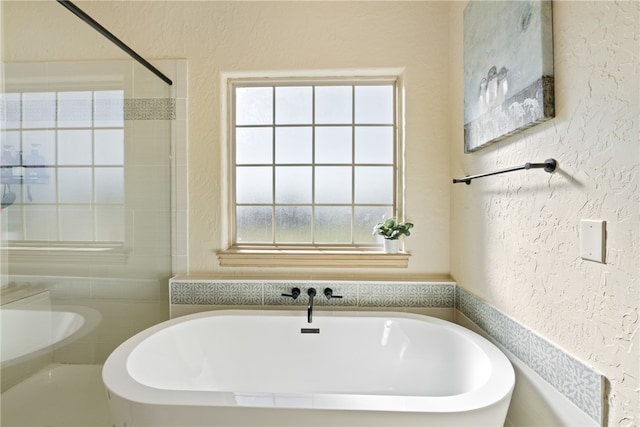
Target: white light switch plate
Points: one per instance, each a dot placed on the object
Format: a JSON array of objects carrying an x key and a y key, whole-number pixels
[{"x": 592, "y": 239}]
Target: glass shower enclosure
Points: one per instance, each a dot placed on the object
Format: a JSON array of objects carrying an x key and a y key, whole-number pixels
[{"x": 85, "y": 215}]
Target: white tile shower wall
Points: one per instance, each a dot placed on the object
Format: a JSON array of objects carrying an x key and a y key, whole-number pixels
[
  {"x": 136, "y": 296},
  {"x": 580, "y": 383}
]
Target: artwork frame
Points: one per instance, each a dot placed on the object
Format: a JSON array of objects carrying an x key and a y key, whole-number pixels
[{"x": 508, "y": 69}]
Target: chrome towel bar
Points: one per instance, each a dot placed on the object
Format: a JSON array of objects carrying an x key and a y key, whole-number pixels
[{"x": 549, "y": 165}]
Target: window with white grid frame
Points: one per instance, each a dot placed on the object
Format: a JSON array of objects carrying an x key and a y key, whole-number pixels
[
  {"x": 63, "y": 162},
  {"x": 314, "y": 164}
]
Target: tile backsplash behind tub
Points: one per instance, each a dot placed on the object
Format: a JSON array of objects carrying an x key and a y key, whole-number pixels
[{"x": 189, "y": 296}]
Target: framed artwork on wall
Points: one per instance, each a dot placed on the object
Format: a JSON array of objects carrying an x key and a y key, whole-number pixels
[{"x": 508, "y": 69}]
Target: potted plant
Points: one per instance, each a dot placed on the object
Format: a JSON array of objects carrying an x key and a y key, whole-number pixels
[{"x": 391, "y": 230}]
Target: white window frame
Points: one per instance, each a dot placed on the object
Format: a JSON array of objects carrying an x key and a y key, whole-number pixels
[{"x": 309, "y": 255}]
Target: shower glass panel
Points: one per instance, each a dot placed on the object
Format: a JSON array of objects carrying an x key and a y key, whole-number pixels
[{"x": 85, "y": 144}]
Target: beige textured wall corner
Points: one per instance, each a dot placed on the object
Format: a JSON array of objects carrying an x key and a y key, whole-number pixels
[{"x": 514, "y": 238}]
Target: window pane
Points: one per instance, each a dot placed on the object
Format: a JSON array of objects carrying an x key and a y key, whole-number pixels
[
  {"x": 44, "y": 191},
  {"x": 374, "y": 104},
  {"x": 374, "y": 144},
  {"x": 254, "y": 106},
  {"x": 109, "y": 108},
  {"x": 313, "y": 163},
  {"x": 293, "y": 224},
  {"x": 293, "y": 184},
  {"x": 254, "y": 184},
  {"x": 374, "y": 184},
  {"x": 12, "y": 105},
  {"x": 334, "y": 104},
  {"x": 253, "y": 224},
  {"x": 109, "y": 185},
  {"x": 10, "y": 147},
  {"x": 43, "y": 141},
  {"x": 333, "y": 145},
  {"x": 293, "y": 145},
  {"x": 74, "y": 147},
  {"x": 74, "y": 109},
  {"x": 333, "y": 185},
  {"x": 333, "y": 224},
  {"x": 38, "y": 110},
  {"x": 293, "y": 105},
  {"x": 109, "y": 147},
  {"x": 366, "y": 217},
  {"x": 10, "y": 155},
  {"x": 62, "y": 185},
  {"x": 254, "y": 146},
  {"x": 32, "y": 157},
  {"x": 75, "y": 185}
]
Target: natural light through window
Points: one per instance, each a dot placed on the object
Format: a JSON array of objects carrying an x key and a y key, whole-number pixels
[
  {"x": 63, "y": 166},
  {"x": 314, "y": 164}
]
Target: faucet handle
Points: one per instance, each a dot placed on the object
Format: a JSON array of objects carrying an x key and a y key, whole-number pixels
[
  {"x": 295, "y": 293},
  {"x": 328, "y": 292}
]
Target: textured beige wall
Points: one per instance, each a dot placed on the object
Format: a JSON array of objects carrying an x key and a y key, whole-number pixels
[
  {"x": 514, "y": 238},
  {"x": 219, "y": 37}
]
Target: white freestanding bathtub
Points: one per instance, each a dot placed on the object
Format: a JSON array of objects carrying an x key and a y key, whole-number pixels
[{"x": 272, "y": 368}]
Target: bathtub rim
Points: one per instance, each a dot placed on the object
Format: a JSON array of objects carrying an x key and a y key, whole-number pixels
[
  {"x": 89, "y": 319},
  {"x": 498, "y": 388}
]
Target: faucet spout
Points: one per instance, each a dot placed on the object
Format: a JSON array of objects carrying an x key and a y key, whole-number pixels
[{"x": 312, "y": 293}]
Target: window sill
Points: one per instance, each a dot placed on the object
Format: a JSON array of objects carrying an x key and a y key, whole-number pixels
[
  {"x": 311, "y": 257},
  {"x": 67, "y": 253}
]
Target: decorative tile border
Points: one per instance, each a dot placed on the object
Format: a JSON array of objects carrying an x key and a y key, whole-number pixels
[
  {"x": 150, "y": 109},
  {"x": 579, "y": 383},
  {"x": 354, "y": 294},
  {"x": 115, "y": 109}
]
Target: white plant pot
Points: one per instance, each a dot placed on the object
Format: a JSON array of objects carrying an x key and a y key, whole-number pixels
[{"x": 391, "y": 246}]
